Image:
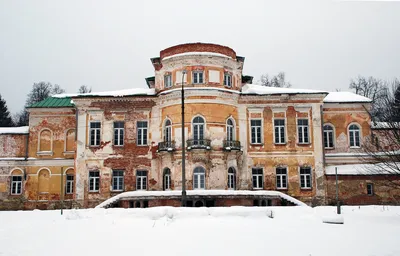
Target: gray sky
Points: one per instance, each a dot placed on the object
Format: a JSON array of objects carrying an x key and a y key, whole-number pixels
[{"x": 107, "y": 44}]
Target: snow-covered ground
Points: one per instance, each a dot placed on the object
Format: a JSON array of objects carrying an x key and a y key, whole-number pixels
[{"x": 367, "y": 230}]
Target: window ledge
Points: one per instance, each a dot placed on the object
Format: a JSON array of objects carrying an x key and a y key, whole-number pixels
[
  {"x": 280, "y": 144},
  {"x": 257, "y": 144},
  {"x": 69, "y": 152},
  {"x": 356, "y": 147},
  {"x": 44, "y": 153},
  {"x": 306, "y": 189},
  {"x": 94, "y": 192},
  {"x": 304, "y": 144},
  {"x": 118, "y": 146},
  {"x": 330, "y": 148},
  {"x": 282, "y": 189},
  {"x": 258, "y": 188}
]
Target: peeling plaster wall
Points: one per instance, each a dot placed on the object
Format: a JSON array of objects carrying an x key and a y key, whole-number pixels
[{"x": 12, "y": 145}]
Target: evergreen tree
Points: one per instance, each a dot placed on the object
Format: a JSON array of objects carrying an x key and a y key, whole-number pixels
[
  {"x": 5, "y": 117},
  {"x": 396, "y": 102}
]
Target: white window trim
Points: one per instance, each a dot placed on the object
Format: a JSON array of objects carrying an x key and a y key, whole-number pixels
[
  {"x": 45, "y": 152},
  {"x": 257, "y": 175},
  {"x": 284, "y": 129},
  {"x": 348, "y": 134},
  {"x": 123, "y": 181},
  {"x": 141, "y": 180},
  {"x": 333, "y": 135},
  {"x": 119, "y": 134},
  {"x": 276, "y": 178},
  {"x": 200, "y": 174},
  {"x": 233, "y": 128},
  {"x": 309, "y": 131},
  {"x": 165, "y": 130},
  {"x": 137, "y": 133},
  {"x": 311, "y": 178},
  {"x": 233, "y": 177},
  {"x": 67, "y": 182},
  {"x": 261, "y": 133},
  {"x": 94, "y": 184},
  {"x": 164, "y": 179},
  {"x": 170, "y": 80},
  {"x": 90, "y": 129},
  {"x": 198, "y": 71},
  {"x": 18, "y": 182},
  {"x": 204, "y": 129},
  {"x": 230, "y": 75}
]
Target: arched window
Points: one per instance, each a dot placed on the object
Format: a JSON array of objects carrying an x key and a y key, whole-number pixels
[
  {"x": 167, "y": 130},
  {"x": 70, "y": 140},
  {"x": 16, "y": 182},
  {"x": 167, "y": 179},
  {"x": 199, "y": 178},
  {"x": 45, "y": 141},
  {"x": 231, "y": 178},
  {"x": 328, "y": 136},
  {"x": 354, "y": 135},
  {"x": 69, "y": 181},
  {"x": 230, "y": 130},
  {"x": 198, "y": 130}
]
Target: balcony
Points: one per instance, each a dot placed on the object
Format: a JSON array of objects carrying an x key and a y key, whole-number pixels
[
  {"x": 231, "y": 145},
  {"x": 166, "y": 146},
  {"x": 198, "y": 144}
]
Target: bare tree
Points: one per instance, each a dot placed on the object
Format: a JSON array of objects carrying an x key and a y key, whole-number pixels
[
  {"x": 275, "y": 81},
  {"x": 84, "y": 89},
  {"x": 382, "y": 148}
]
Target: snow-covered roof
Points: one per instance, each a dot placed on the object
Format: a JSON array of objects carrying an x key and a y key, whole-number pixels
[
  {"x": 14, "y": 130},
  {"x": 266, "y": 90},
  {"x": 345, "y": 97},
  {"x": 197, "y": 53},
  {"x": 200, "y": 193},
  {"x": 199, "y": 88},
  {"x": 118, "y": 93},
  {"x": 361, "y": 169}
]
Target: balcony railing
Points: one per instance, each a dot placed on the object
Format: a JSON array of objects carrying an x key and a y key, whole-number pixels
[
  {"x": 201, "y": 144},
  {"x": 231, "y": 145},
  {"x": 166, "y": 146}
]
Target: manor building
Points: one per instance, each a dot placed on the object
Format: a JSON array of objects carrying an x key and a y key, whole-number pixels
[{"x": 240, "y": 139}]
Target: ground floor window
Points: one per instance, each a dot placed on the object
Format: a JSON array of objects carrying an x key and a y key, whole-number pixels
[
  {"x": 16, "y": 185},
  {"x": 69, "y": 186},
  {"x": 118, "y": 180},
  {"x": 167, "y": 179},
  {"x": 94, "y": 181},
  {"x": 141, "y": 180},
  {"x": 257, "y": 174},
  {"x": 370, "y": 189},
  {"x": 199, "y": 178},
  {"x": 305, "y": 177},
  {"x": 281, "y": 178},
  {"x": 231, "y": 178}
]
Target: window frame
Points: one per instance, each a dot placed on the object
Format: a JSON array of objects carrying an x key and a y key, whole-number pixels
[
  {"x": 231, "y": 178},
  {"x": 96, "y": 136},
  {"x": 258, "y": 176},
  {"x": 280, "y": 142},
  {"x": 370, "y": 189},
  {"x": 308, "y": 131},
  {"x": 232, "y": 127},
  {"x": 201, "y": 176},
  {"x": 281, "y": 177},
  {"x": 140, "y": 140},
  {"x": 304, "y": 176},
  {"x": 96, "y": 180},
  {"x": 197, "y": 73},
  {"x": 201, "y": 135},
  {"x": 228, "y": 75},
  {"x": 69, "y": 184},
  {"x": 119, "y": 178},
  {"x": 141, "y": 180},
  {"x": 261, "y": 133},
  {"x": 18, "y": 185},
  {"x": 326, "y": 132},
  {"x": 167, "y": 80},
  {"x": 166, "y": 179},
  {"x": 353, "y": 131},
  {"x": 167, "y": 130},
  {"x": 119, "y": 132}
]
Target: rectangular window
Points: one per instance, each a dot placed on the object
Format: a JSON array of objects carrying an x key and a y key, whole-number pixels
[
  {"x": 118, "y": 133},
  {"x": 257, "y": 178},
  {"x": 197, "y": 77},
  {"x": 94, "y": 181},
  {"x": 305, "y": 177},
  {"x": 255, "y": 131},
  {"x": 95, "y": 129},
  {"x": 141, "y": 180},
  {"x": 69, "y": 185},
  {"x": 370, "y": 189},
  {"x": 16, "y": 185},
  {"x": 227, "y": 80},
  {"x": 118, "y": 180},
  {"x": 281, "y": 177},
  {"x": 142, "y": 133},
  {"x": 279, "y": 127},
  {"x": 167, "y": 81},
  {"x": 302, "y": 131}
]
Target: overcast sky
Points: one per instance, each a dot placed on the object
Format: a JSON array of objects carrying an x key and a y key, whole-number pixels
[{"x": 108, "y": 44}]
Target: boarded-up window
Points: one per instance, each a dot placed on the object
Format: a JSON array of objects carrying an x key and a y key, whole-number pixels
[
  {"x": 44, "y": 181},
  {"x": 45, "y": 140},
  {"x": 70, "y": 140}
]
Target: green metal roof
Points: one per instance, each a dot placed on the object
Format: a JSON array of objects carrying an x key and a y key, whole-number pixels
[{"x": 53, "y": 103}]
